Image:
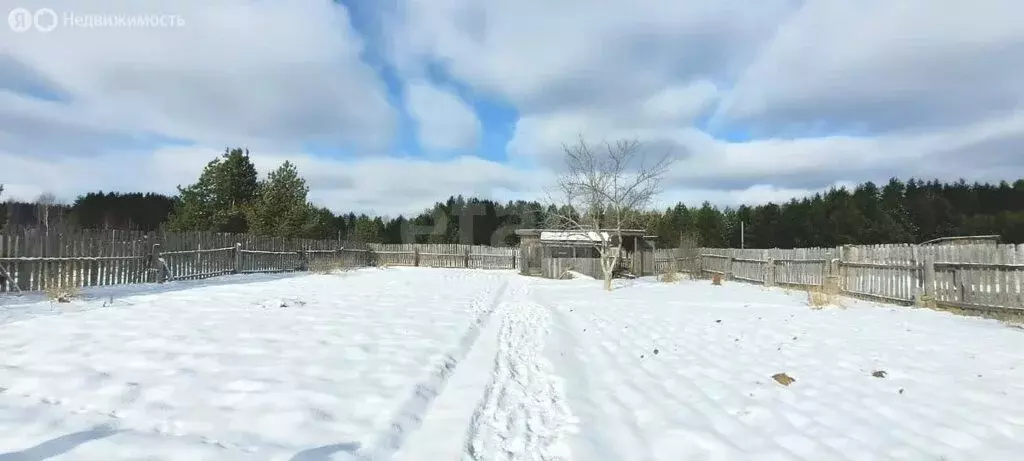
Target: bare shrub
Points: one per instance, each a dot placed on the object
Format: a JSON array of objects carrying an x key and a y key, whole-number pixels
[
  {"x": 61, "y": 294},
  {"x": 818, "y": 298},
  {"x": 671, "y": 274},
  {"x": 329, "y": 267},
  {"x": 688, "y": 255}
]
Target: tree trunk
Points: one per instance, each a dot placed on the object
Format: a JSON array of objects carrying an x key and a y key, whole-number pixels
[{"x": 609, "y": 268}]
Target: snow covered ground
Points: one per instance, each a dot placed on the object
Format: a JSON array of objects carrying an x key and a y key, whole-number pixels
[
  {"x": 433, "y": 364},
  {"x": 292, "y": 368}
]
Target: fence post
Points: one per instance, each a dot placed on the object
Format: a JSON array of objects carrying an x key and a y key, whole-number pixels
[
  {"x": 831, "y": 274},
  {"x": 467, "y": 258},
  {"x": 928, "y": 298},
  {"x": 158, "y": 264},
  {"x": 238, "y": 258},
  {"x": 769, "y": 276},
  {"x": 416, "y": 256},
  {"x": 728, "y": 268}
]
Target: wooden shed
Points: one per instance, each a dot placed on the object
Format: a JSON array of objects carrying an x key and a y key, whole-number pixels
[{"x": 538, "y": 247}]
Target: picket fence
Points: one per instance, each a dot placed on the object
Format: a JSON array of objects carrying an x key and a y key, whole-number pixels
[
  {"x": 638, "y": 263},
  {"x": 38, "y": 261},
  {"x": 970, "y": 276}
]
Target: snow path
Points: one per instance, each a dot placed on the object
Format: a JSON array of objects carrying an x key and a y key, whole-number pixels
[
  {"x": 668, "y": 372},
  {"x": 522, "y": 415},
  {"x": 438, "y": 437},
  {"x": 295, "y": 368},
  {"x": 410, "y": 416}
]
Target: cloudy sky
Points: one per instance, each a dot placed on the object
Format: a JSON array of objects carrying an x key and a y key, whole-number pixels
[{"x": 389, "y": 105}]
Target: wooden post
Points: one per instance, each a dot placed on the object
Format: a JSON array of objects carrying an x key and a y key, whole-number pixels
[
  {"x": 959, "y": 284},
  {"x": 769, "y": 276},
  {"x": 927, "y": 297},
  {"x": 416, "y": 256},
  {"x": 467, "y": 258},
  {"x": 728, "y": 268},
  {"x": 831, "y": 274},
  {"x": 158, "y": 265},
  {"x": 238, "y": 258},
  {"x": 917, "y": 279}
]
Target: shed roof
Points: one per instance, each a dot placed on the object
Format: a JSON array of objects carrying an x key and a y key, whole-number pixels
[
  {"x": 573, "y": 236},
  {"x": 538, "y": 232},
  {"x": 963, "y": 240}
]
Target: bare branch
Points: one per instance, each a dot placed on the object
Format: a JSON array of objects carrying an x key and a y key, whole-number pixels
[{"x": 605, "y": 192}]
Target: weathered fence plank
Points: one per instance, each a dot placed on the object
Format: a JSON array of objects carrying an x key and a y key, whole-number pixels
[
  {"x": 34, "y": 260},
  {"x": 979, "y": 276}
]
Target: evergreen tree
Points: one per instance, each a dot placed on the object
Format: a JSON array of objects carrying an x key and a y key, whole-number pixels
[
  {"x": 281, "y": 209},
  {"x": 898, "y": 227},
  {"x": 218, "y": 200},
  {"x": 367, "y": 229},
  {"x": 709, "y": 226}
]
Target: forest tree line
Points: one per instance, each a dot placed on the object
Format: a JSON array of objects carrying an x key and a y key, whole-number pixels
[{"x": 230, "y": 197}]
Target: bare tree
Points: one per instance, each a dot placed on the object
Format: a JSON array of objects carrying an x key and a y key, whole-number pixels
[
  {"x": 45, "y": 201},
  {"x": 603, "y": 192}
]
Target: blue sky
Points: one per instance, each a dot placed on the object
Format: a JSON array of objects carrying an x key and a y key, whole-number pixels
[{"x": 387, "y": 106}]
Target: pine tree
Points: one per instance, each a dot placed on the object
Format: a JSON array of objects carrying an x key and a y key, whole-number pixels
[
  {"x": 218, "y": 200},
  {"x": 709, "y": 226},
  {"x": 281, "y": 209},
  {"x": 367, "y": 229}
]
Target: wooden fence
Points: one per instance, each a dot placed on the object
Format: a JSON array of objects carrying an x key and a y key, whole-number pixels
[
  {"x": 554, "y": 268},
  {"x": 445, "y": 255},
  {"x": 38, "y": 261},
  {"x": 639, "y": 263},
  {"x": 973, "y": 276}
]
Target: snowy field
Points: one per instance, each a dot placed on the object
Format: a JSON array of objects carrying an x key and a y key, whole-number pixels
[{"x": 433, "y": 364}]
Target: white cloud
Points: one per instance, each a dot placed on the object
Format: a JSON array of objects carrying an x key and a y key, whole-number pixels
[
  {"x": 680, "y": 103},
  {"x": 25, "y": 177},
  {"x": 537, "y": 53},
  {"x": 444, "y": 120},
  {"x": 280, "y": 74},
  {"x": 838, "y": 90},
  {"x": 384, "y": 185},
  {"x": 756, "y": 194},
  {"x": 886, "y": 65}
]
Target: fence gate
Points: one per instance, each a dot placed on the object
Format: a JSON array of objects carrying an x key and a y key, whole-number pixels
[{"x": 532, "y": 259}]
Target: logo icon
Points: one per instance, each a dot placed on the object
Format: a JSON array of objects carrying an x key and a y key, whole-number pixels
[
  {"x": 20, "y": 20},
  {"x": 45, "y": 19}
]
